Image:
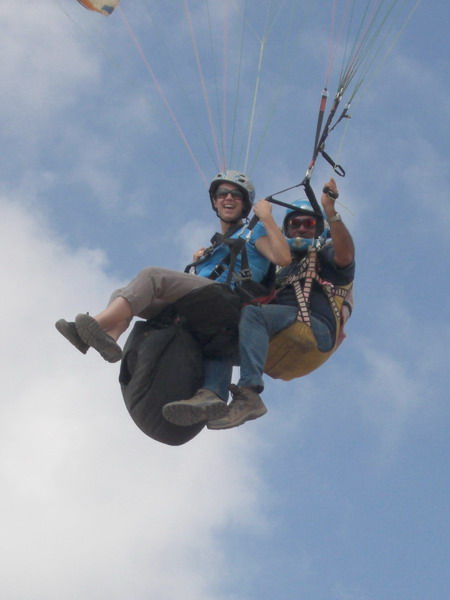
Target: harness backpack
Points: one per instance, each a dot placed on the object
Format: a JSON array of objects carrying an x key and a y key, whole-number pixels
[
  {"x": 293, "y": 352},
  {"x": 163, "y": 358},
  {"x": 211, "y": 314},
  {"x": 162, "y": 362}
]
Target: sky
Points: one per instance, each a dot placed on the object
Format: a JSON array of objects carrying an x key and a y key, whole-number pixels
[{"x": 340, "y": 492}]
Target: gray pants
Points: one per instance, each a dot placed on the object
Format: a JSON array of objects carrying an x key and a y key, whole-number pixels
[{"x": 154, "y": 288}]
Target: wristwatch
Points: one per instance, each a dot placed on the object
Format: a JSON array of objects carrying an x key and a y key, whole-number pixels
[{"x": 337, "y": 217}]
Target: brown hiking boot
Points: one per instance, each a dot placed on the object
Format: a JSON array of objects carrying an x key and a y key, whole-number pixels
[
  {"x": 205, "y": 405},
  {"x": 245, "y": 406}
]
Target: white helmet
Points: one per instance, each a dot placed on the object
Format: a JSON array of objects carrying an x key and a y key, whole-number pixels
[{"x": 242, "y": 182}]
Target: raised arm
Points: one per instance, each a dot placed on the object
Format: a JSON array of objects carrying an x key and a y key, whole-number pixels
[
  {"x": 273, "y": 245},
  {"x": 344, "y": 249}
]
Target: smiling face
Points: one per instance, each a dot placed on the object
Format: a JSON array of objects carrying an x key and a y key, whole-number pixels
[{"x": 228, "y": 202}]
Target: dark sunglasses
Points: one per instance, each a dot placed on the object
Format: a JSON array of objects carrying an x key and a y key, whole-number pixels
[
  {"x": 307, "y": 222},
  {"x": 223, "y": 193}
]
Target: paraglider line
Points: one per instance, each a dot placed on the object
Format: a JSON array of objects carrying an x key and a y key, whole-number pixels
[
  {"x": 202, "y": 82},
  {"x": 163, "y": 96}
]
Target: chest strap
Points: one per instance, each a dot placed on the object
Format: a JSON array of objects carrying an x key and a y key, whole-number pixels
[{"x": 236, "y": 246}]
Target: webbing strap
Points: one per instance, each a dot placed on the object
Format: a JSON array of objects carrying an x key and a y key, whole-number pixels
[
  {"x": 302, "y": 282},
  {"x": 308, "y": 272},
  {"x": 330, "y": 291},
  {"x": 303, "y": 310},
  {"x": 237, "y": 247},
  {"x": 216, "y": 240},
  {"x": 338, "y": 169}
]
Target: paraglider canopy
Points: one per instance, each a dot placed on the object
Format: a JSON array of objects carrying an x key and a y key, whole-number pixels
[{"x": 102, "y": 6}]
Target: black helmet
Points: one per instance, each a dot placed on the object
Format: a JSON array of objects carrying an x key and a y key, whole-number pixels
[{"x": 242, "y": 182}]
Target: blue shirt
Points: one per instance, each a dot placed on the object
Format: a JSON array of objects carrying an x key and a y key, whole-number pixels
[{"x": 258, "y": 263}]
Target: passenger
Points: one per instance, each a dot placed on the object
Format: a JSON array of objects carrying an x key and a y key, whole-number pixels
[{"x": 232, "y": 195}]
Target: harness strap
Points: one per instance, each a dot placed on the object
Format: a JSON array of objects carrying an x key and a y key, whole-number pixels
[
  {"x": 308, "y": 272},
  {"x": 237, "y": 246},
  {"x": 336, "y": 168},
  {"x": 302, "y": 282},
  {"x": 216, "y": 240},
  {"x": 303, "y": 309},
  {"x": 330, "y": 291}
]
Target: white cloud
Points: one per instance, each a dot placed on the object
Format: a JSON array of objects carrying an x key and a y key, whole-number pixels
[
  {"x": 42, "y": 64},
  {"x": 90, "y": 506}
]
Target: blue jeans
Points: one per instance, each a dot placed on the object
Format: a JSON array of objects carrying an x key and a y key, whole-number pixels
[
  {"x": 217, "y": 373},
  {"x": 257, "y": 325}
]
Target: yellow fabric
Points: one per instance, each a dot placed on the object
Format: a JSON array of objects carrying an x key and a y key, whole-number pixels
[{"x": 293, "y": 351}]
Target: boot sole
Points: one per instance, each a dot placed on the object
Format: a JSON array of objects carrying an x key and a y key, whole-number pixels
[
  {"x": 92, "y": 334},
  {"x": 243, "y": 419},
  {"x": 184, "y": 413}
]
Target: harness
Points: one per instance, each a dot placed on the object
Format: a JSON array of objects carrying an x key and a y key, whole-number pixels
[
  {"x": 302, "y": 282},
  {"x": 249, "y": 291},
  {"x": 236, "y": 246},
  {"x": 293, "y": 352}
]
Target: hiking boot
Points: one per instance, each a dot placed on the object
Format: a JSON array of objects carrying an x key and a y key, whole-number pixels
[
  {"x": 69, "y": 331},
  {"x": 245, "y": 406},
  {"x": 205, "y": 405},
  {"x": 93, "y": 335}
]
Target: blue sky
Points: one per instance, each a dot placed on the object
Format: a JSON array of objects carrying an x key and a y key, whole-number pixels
[{"x": 341, "y": 491}]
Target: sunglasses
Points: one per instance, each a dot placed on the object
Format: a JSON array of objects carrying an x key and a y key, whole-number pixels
[
  {"x": 307, "y": 222},
  {"x": 223, "y": 193}
]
